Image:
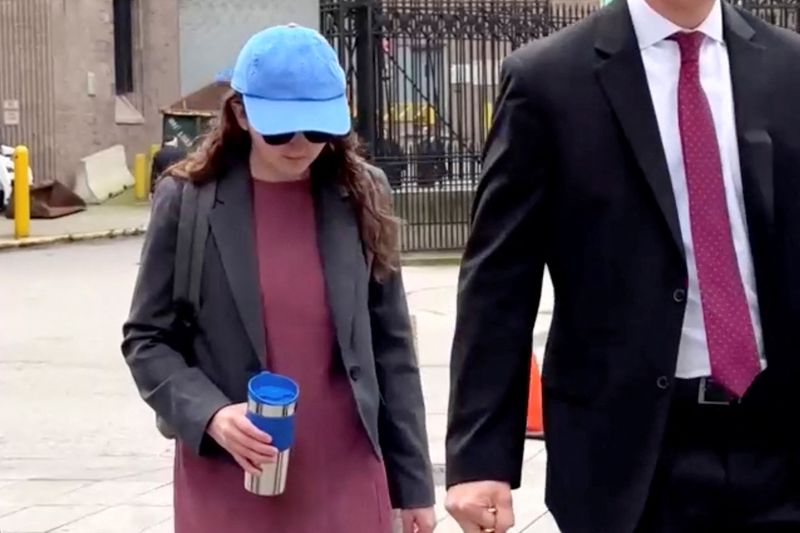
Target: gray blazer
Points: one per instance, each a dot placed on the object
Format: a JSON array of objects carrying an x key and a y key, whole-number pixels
[{"x": 187, "y": 386}]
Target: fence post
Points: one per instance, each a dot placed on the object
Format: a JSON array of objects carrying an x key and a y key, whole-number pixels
[
  {"x": 366, "y": 83},
  {"x": 140, "y": 176},
  {"x": 22, "y": 193}
]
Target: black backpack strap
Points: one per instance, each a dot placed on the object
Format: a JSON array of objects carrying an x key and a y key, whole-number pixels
[
  {"x": 205, "y": 202},
  {"x": 183, "y": 248},
  {"x": 196, "y": 204}
]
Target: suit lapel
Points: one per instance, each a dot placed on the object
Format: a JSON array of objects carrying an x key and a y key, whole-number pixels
[
  {"x": 755, "y": 143},
  {"x": 621, "y": 74},
  {"x": 232, "y": 226},
  {"x": 756, "y": 163},
  {"x": 340, "y": 250}
]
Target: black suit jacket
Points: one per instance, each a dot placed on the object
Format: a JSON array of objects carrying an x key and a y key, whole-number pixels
[
  {"x": 370, "y": 319},
  {"x": 575, "y": 178}
]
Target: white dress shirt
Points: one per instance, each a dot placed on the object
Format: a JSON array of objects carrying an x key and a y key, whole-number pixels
[{"x": 662, "y": 63}]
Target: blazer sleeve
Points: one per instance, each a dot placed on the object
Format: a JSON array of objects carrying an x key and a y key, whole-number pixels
[
  {"x": 498, "y": 293},
  {"x": 181, "y": 395},
  {"x": 403, "y": 437}
]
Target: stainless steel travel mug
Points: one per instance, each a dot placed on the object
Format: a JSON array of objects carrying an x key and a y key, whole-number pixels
[
  {"x": 272, "y": 480},
  {"x": 271, "y": 407}
]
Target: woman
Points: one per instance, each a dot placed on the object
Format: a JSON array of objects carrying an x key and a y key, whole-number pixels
[{"x": 300, "y": 276}]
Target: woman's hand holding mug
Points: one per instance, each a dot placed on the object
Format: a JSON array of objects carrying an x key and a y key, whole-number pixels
[{"x": 248, "y": 445}]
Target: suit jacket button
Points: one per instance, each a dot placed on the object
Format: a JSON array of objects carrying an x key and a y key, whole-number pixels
[
  {"x": 663, "y": 382},
  {"x": 679, "y": 295},
  {"x": 355, "y": 373}
]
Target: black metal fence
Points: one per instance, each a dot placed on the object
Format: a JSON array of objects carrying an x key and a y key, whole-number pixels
[
  {"x": 423, "y": 76},
  {"x": 783, "y": 13}
]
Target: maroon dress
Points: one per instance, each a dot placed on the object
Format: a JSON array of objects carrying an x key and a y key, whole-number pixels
[{"x": 336, "y": 483}]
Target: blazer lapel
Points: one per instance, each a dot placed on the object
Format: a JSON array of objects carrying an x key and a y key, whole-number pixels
[
  {"x": 340, "y": 250},
  {"x": 232, "y": 226},
  {"x": 750, "y": 94},
  {"x": 755, "y": 143},
  {"x": 622, "y": 76}
]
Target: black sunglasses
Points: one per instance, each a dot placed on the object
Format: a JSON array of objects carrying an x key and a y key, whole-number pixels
[{"x": 315, "y": 137}]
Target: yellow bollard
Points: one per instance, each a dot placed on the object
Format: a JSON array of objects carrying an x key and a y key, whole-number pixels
[
  {"x": 140, "y": 177},
  {"x": 22, "y": 194},
  {"x": 487, "y": 115},
  {"x": 154, "y": 148}
]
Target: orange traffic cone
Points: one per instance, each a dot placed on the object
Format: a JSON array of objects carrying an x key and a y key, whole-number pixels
[{"x": 534, "y": 428}]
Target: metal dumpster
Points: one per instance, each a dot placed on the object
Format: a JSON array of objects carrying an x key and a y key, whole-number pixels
[{"x": 189, "y": 118}]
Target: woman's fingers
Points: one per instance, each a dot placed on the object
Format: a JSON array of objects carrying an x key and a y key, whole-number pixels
[
  {"x": 250, "y": 456},
  {"x": 244, "y": 425},
  {"x": 246, "y": 465},
  {"x": 253, "y": 438},
  {"x": 249, "y": 446},
  {"x": 258, "y": 447},
  {"x": 257, "y": 452},
  {"x": 407, "y": 520},
  {"x": 254, "y": 456}
]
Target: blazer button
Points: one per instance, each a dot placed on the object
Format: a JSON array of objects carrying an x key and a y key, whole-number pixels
[
  {"x": 663, "y": 382},
  {"x": 679, "y": 296},
  {"x": 355, "y": 373}
]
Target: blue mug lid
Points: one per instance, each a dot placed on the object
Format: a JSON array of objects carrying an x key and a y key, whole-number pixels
[{"x": 273, "y": 389}]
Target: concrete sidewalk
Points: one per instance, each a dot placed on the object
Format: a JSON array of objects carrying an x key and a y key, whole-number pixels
[
  {"x": 86, "y": 458},
  {"x": 121, "y": 216}
]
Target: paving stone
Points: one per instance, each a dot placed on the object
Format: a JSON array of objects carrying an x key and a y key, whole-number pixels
[
  {"x": 44, "y": 518},
  {"x": 108, "y": 492},
  {"x": 120, "y": 519},
  {"x": 36, "y": 492},
  {"x": 159, "y": 496}
]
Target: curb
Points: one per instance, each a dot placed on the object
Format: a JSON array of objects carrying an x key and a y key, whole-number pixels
[
  {"x": 50, "y": 240},
  {"x": 410, "y": 259},
  {"x": 422, "y": 259}
]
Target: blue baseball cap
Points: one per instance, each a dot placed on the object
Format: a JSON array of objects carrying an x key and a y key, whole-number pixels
[{"x": 291, "y": 81}]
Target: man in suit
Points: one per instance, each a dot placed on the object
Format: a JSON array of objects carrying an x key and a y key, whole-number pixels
[{"x": 655, "y": 170}]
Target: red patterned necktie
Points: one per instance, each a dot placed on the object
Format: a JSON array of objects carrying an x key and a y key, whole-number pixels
[{"x": 731, "y": 338}]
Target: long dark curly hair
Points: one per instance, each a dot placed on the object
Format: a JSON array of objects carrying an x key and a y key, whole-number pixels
[{"x": 226, "y": 144}]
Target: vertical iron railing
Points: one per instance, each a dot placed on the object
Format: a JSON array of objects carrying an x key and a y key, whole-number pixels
[{"x": 783, "y": 13}]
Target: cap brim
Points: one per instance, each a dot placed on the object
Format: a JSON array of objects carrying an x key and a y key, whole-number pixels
[{"x": 273, "y": 117}]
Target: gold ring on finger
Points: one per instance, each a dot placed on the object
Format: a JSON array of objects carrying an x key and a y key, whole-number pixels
[{"x": 493, "y": 511}]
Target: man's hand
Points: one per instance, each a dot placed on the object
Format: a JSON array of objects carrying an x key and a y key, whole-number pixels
[{"x": 481, "y": 506}]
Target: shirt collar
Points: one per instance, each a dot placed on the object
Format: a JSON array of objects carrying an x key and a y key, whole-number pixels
[{"x": 652, "y": 28}]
